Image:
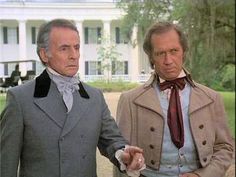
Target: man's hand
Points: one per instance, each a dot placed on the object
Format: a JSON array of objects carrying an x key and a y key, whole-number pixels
[
  {"x": 189, "y": 175},
  {"x": 133, "y": 158}
]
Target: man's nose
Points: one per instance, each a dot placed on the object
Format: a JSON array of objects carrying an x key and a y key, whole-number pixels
[
  {"x": 74, "y": 53},
  {"x": 168, "y": 58}
]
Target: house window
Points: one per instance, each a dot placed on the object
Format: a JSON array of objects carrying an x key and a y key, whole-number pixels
[
  {"x": 120, "y": 38},
  {"x": 93, "y": 68},
  {"x": 119, "y": 67},
  {"x": 10, "y": 35},
  {"x": 5, "y": 38},
  {"x": 92, "y": 35}
]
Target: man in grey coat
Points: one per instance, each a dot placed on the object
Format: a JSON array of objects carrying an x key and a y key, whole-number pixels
[{"x": 52, "y": 125}]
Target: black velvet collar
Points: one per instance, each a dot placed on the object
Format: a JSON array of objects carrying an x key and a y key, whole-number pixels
[{"x": 43, "y": 83}]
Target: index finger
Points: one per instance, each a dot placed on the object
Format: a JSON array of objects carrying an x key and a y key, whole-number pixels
[{"x": 133, "y": 150}]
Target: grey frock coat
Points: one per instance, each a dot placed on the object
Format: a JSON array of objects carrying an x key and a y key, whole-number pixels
[{"x": 37, "y": 132}]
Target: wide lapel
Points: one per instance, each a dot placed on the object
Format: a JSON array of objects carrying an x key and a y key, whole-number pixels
[
  {"x": 198, "y": 99},
  {"x": 149, "y": 100},
  {"x": 48, "y": 99},
  {"x": 81, "y": 105}
]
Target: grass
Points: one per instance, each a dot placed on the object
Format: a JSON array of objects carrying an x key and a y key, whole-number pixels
[
  {"x": 229, "y": 100},
  {"x": 118, "y": 86},
  {"x": 2, "y": 101}
]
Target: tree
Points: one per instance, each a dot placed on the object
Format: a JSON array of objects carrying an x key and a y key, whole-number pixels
[
  {"x": 142, "y": 13},
  {"x": 107, "y": 54},
  {"x": 210, "y": 25}
]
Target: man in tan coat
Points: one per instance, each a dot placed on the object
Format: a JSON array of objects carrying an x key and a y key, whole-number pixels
[{"x": 180, "y": 124}]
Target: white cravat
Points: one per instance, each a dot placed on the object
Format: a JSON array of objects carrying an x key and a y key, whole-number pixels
[{"x": 66, "y": 86}]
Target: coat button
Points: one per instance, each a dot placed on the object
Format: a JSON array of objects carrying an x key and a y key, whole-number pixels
[
  {"x": 151, "y": 146},
  {"x": 204, "y": 142},
  {"x": 152, "y": 129},
  {"x": 204, "y": 159},
  {"x": 153, "y": 162},
  {"x": 201, "y": 126}
]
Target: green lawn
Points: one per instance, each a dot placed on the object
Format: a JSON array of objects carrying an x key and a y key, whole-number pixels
[
  {"x": 229, "y": 101},
  {"x": 2, "y": 101}
]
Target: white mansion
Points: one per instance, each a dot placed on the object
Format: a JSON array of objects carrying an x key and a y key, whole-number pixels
[{"x": 20, "y": 21}]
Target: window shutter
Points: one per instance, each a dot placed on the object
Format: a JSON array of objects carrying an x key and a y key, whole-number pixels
[
  {"x": 99, "y": 68},
  {"x": 33, "y": 35},
  {"x": 86, "y": 35},
  {"x": 5, "y": 69},
  {"x": 5, "y": 39},
  {"x": 17, "y": 35},
  {"x": 117, "y": 35},
  {"x": 99, "y": 35},
  {"x": 86, "y": 67},
  {"x": 126, "y": 67}
]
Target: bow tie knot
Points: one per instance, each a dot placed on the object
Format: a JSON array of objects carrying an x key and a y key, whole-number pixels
[
  {"x": 177, "y": 83},
  {"x": 68, "y": 86}
]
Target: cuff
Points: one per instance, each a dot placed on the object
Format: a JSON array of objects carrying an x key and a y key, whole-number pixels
[{"x": 131, "y": 173}]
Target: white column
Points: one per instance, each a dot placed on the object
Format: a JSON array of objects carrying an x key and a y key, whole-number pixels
[
  {"x": 107, "y": 41},
  {"x": 134, "y": 62},
  {"x": 107, "y": 29},
  {"x": 22, "y": 46},
  {"x": 79, "y": 25}
]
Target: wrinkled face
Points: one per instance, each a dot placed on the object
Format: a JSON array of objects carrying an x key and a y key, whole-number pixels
[
  {"x": 63, "y": 55},
  {"x": 167, "y": 55}
]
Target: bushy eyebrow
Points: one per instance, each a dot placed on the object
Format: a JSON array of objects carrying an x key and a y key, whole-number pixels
[
  {"x": 67, "y": 46},
  {"x": 64, "y": 46}
]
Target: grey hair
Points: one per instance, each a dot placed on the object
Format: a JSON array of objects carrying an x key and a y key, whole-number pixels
[
  {"x": 43, "y": 38},
  {"x": 159, "y": 28}
]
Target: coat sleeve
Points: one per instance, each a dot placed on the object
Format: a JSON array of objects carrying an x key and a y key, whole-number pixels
[
  {"x": 223, "y": 145},
  {"x": 110, "y": 139},
  {"x": 11, "y": 136}
]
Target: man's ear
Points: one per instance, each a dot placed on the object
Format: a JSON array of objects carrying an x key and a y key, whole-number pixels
[{"x": 43, "y": 55}]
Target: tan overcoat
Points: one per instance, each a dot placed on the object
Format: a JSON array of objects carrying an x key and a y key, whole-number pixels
[{"x": 140, "y": 119}]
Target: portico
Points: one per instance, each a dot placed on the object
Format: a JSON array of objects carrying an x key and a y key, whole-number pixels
[{"x": 20, "y": 21}]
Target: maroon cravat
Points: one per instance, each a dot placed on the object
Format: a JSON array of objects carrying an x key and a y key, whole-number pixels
[{"x": 174, "y": 117}]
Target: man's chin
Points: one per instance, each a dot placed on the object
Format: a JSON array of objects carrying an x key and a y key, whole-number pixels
[
  {"x": 71, "y": 74},
  {"x": 171, "y": 76}
]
